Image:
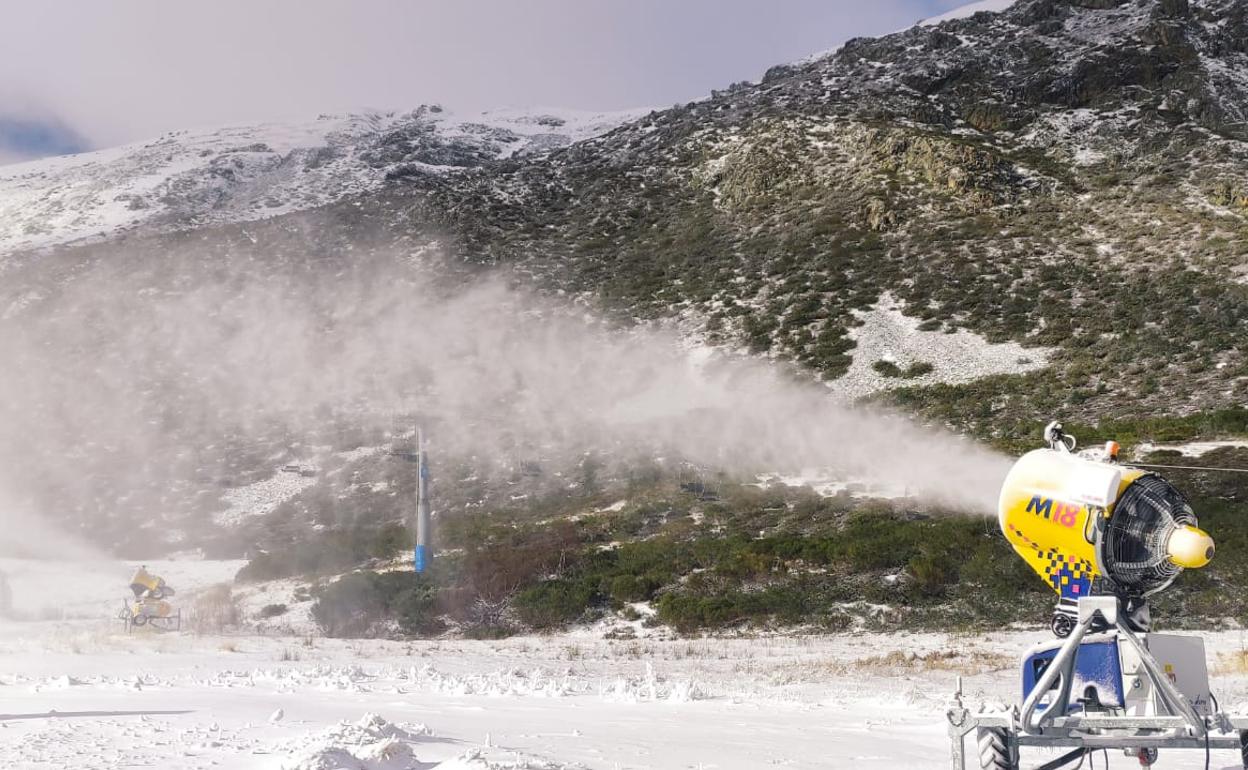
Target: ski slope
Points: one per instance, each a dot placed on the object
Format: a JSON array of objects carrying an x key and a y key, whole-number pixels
[
  {"x": 80, "y": 692},
  {"x": 84, "y": 695}
]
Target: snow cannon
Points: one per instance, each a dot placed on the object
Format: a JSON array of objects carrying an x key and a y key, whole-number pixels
[
  {"x": 1104, "y": 537},
  {"x": 149, "y": 607},
  {"x": 146, "y": 585},
  {"x": 1095, "y": 527}
]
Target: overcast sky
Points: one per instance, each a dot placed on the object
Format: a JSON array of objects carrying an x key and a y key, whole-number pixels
[{"x": 123, "y": 70}]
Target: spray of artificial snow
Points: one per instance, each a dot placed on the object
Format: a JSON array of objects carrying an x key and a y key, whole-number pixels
[
  {"x": 122, "y": 402},
  {"x": 30, "y": 535}
]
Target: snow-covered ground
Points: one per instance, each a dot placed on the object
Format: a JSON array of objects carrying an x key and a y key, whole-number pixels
[
  {"x": 286, "y": 481},
  {"x": 261, "y": 497},
  {"x": 887, "y": 334},
  {"x": 826, "y": 482},
  {"x": 84, "y": 695},
  {"x": 1192, "y": 448}
]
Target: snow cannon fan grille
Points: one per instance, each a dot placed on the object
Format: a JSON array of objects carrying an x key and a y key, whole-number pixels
[{"x": 1134, "y": 544}]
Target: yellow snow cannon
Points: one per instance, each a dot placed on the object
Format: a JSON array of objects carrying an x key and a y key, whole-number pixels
[
  {"x": 146, "y": 585},
  {"x": 157, "y": 613},
  {"x": 1105, "y": 537},
  {"x": 1092, "y": 527},
  {"x": 150, "y": 607}
]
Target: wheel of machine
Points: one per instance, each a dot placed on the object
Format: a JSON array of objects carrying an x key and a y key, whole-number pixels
[
  {"x": 994, "y": 749},
  {"x": 1062, "y": 626},
  {"x": 1243, "y": 748},
  {"x": 138, "y": 620},
  {"x": 1147, "y": 757}
]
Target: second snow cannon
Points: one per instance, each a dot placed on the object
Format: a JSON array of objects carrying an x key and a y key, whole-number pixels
[
  {"x": 1098, "y": 528},
  {"x": 150, "y": 606}
]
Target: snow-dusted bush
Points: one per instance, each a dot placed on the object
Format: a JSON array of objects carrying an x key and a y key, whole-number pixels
[{"x": 214, "y": 610}]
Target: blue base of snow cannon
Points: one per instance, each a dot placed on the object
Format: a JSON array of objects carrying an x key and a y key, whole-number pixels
[
  {"x": 422, "y": 558},
  {"x": 1098, "y": 669}
]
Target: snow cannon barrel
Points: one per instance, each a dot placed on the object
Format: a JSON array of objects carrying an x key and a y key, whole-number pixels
[{"x": 1087, "y": 526}]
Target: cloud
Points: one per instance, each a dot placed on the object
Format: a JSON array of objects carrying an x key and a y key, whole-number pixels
[
  {"x": 133, "y": 69},
  {"x": 24, "y": 138}
]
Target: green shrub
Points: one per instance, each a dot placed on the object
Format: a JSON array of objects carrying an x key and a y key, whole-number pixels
[
  {"x": 328, "y": 553},
  {"x": 932, "y": 572},
  {"x": 391, "y": 540},
  {"x": 890, "y": 369},
  {"x": 818, "y": 557},
  {"x": 556, "y": 603},
  {"x": 264, "y": 566},
  {"x": 368, "y": 604},
  {"x": 887, "y": 368},
  {"x": 273, "y": 610},
  {"x": 632, "y": 588},
  {"x": 689, "y": 612}
]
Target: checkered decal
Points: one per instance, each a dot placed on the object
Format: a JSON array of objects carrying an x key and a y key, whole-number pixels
[
  {"x": 1070, "y": 576},
  {"x": 1018, "y": 533}
]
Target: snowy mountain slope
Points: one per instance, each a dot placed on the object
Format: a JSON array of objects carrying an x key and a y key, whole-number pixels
[
  {"x": 979, "y": 169},
  {"x": 243, "y": 173},
  {"x": 1063, "y": 175},
  {"x": 968, "y": 10}
]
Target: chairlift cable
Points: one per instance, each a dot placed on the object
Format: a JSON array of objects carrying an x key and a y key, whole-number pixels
[{"x": 1189, "y": 468}]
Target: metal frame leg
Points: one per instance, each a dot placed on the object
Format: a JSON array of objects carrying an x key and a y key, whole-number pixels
[
  {"x": 1171, "y": 698},
  {"x": 1063, "y": 665}
]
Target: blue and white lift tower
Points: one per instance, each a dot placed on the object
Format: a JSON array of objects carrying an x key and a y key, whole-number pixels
[
  {"x": 424, "y": 548},
  {"x": 422, "y": 556}
]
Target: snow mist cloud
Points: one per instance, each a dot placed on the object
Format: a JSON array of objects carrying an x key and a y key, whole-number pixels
[{"x": 122, "y": 402}]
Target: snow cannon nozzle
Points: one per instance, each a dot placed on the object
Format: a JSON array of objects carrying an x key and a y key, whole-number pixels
[{"x": 1190, "y": 547}]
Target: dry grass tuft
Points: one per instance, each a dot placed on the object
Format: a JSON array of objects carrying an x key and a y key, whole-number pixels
[
  {"x": 1232, "y": 662},
  {"x": 968, "y": 662},
  {"x": 214, "y": 610}
]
